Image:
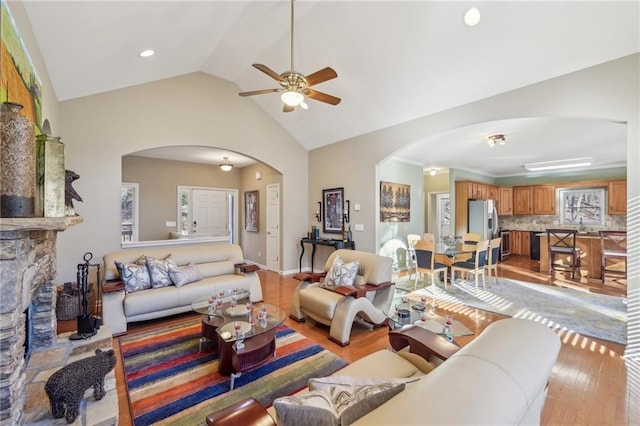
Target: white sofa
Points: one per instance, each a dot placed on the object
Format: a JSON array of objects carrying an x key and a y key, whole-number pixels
[
  {"x": 500, "y": 378},
  {"x": 222, "y": 267}
]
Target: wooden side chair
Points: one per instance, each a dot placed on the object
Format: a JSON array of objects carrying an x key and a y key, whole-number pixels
[
  {"x": 475, "y": 267},
  {"x": 426, "y": 264},
  {"x": 562, "y": 243},
  {"x": 494, "y": 257},
  {"x": 468, "y": 245},
  {"x": 613, "y": 251}
]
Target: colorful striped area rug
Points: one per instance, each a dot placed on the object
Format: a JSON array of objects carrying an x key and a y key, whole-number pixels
[{"x": 170, "y": 381}]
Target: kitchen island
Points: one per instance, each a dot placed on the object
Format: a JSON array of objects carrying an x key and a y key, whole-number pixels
[{"x": 589, "y": 244}]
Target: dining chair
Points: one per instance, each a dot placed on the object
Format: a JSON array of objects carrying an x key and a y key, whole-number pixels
[
  {"x": 475, "y": 267},
  {"x": 494, "y": 257},
  {"x": 411, "y": 240},
  {"x": 562, "y": 242},
  {"x": 468, "y": 246},
  {"x": 426, "y": 264},
  {"x": 613, "y": 248}
]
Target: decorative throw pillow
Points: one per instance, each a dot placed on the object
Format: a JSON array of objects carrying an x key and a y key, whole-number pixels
[
  {"x": 341, "y": 273},
  {"x": 135, "y": 276},
  {"x": 333, "y": 405},
  {"x": 317, "y": 383},
  {"x": 181, "y": 275},
  {"x": 159, "y": 270}
]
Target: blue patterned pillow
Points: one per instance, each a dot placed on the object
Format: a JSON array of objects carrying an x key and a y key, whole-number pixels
[
  {"x": 135, "y": 276},
  {"x": 159, "y": 270},
  {"x": 341, "y": 273}
]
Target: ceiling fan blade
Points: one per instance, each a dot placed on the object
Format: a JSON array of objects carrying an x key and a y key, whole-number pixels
[
  {"x": 322, "y": 97},
  {"x": 259, "y": 92},
  {"x": 321, "y": 76},
  {"x": 288, "y": 108},
  {"x": 268, "y": 71}
]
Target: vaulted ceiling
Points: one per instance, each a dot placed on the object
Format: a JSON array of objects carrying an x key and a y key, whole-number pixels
[{"x": 396, "y": 61}]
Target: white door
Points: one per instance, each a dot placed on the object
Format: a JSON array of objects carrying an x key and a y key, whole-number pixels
[
  {"x": 210, "y": 213},
  {"x": 273, "y": 227}
]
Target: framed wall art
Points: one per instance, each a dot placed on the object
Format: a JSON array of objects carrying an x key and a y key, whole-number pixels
[
  {"x": 251, "y": 212},
  {"x": 583, "y": 206},
  {"x": 333, "y": 206},
  {"x": 395, "y": 202}
]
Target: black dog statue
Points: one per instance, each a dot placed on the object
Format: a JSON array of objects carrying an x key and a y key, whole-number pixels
[
  {"x": 65, "y": 388},
  {"x": 70, "y": 193}
]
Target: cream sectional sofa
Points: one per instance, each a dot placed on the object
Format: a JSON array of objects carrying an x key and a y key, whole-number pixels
[
  {"x": 221, "y": 265},
  {"x": 500, "y": 378}
]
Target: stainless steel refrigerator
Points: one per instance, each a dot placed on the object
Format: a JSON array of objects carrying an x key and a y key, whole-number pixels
[{"x": 483, "y": 218}]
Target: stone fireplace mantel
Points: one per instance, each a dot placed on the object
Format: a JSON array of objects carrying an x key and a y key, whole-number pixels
[{"x": 27, "y": 283}]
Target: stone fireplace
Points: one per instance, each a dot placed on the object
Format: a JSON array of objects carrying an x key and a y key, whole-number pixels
[{"x": 27, "y": 284}]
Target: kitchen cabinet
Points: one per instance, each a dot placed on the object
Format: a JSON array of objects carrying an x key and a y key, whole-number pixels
[
  {"x": 522, "y": 200},
  {"x": 544, "y": 199},
  {"x": 521, "y": 243},
  {"x": 617, "y": 197},
  {"x": 494, "y": 193},
  {"x": 505, "y": 201}
]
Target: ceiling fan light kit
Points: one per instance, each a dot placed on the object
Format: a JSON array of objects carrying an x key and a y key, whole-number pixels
[{"x": 295, "y": 87}]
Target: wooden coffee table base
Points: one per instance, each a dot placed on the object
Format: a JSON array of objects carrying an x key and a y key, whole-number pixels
[{"x": 257, "y": 350}]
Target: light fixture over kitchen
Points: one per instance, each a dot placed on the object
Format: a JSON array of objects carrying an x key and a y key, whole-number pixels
[
  {"x": 432, "y": 172},
  {"x": 559, "y": 164},
  {"x": 494, "y": 140},
  {"x": 225, "y": 166}
]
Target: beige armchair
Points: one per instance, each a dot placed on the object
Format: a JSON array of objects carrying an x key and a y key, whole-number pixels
[{"x": 366, "y": 301}]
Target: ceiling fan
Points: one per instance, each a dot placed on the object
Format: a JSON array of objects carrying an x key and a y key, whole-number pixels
[{"x": 295, "y": 87}]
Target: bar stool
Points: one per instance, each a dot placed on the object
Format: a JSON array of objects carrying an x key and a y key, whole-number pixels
[
  {"x": 613, "y": 247},
  {"x": 562, "y": 242}
]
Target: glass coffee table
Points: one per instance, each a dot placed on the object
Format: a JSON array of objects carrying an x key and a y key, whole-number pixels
[
  {"x": 244, "y": 332},
  {"x": 421, "y": 314}
]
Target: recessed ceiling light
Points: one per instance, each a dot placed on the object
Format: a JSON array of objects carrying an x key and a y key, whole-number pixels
[
  {"x": 147, "y": 53},
  {"x": 559, "y": 164},
  {"x": 472, "y": 17}
]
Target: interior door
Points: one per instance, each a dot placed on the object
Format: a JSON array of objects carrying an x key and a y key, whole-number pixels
[
  {"x": 210, "y": 213},
  {"x": 273, "y": 227}
]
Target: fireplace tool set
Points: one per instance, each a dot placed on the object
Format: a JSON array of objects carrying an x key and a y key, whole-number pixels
[{"x": 88, "y": 324}]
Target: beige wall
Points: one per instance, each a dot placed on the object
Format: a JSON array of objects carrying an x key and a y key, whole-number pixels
[
  {"x": 254, "y": 244},
  {"x": 195, "y": 109}
]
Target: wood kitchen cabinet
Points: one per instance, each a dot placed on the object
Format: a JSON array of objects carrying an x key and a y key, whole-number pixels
[
  {"x": 522, "y": 200},
  {"x": 505, "y": 201},
  {"x": 521, "y": 243},
  {"x": 544, "y": 199},
  {"x": 617, "y": 197}
]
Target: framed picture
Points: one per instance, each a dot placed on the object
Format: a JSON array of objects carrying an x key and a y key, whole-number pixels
[
  {"x": 251, "y": 212},
  {"x": 582, "y": 206},
  {"x": 333, "y": 206},
  {"x": 395, "y": 202}
]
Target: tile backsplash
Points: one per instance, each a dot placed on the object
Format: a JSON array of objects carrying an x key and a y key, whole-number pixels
[{"x": 541, "y": 222}]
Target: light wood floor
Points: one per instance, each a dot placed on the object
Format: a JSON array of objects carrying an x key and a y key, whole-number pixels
[{"x": 588, "y": 385}]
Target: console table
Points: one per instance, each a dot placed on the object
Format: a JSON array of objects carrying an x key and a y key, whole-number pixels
[{"x": 336, "y": 244}]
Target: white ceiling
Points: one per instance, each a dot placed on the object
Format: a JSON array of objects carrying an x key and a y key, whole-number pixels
[{"x": 396, "y": 61}]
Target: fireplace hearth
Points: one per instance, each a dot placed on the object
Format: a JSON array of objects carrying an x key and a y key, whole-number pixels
[{"x": 27, "y": 302}]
